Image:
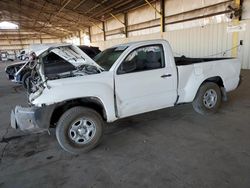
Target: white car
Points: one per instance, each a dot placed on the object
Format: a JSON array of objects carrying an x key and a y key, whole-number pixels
[
  {"x": 4, "y": 56},
  {"x": 121, "y": 81}
]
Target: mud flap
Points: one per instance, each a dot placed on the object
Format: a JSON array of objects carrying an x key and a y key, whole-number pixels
[{"x": 224, "y": 94}]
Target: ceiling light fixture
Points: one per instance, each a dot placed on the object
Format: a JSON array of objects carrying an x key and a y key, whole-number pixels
[{"x": 8, "y": 25}]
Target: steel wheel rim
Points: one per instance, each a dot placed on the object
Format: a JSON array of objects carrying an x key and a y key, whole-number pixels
[
  {"x": 82, "y": 131},
  {"x": 210, "y": 98}
]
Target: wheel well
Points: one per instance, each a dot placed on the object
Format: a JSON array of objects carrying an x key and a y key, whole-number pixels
[
  {"x": 90, "y": 102},
  {"x": 215, "y": 79}
]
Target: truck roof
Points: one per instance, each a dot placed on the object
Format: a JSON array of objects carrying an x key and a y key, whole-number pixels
[{"x": 140, "y": 42}]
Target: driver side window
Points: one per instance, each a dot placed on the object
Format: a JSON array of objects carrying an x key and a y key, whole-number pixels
[{"x": 142, "y": 59}]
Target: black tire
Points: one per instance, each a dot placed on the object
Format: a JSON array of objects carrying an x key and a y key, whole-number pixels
[
  {"x": 24, "y": 79},
  {"x": 200, "y": 104},
  {"x": 64, "y": 127}
]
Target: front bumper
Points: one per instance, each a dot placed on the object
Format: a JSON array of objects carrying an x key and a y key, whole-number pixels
[{"x": 31, "y": 119}]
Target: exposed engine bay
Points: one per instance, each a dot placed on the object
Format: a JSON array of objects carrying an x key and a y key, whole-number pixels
[{"x": 57, "y": 63}]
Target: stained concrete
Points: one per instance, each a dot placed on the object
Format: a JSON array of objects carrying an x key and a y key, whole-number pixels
[{"x": 174, "y": 147}]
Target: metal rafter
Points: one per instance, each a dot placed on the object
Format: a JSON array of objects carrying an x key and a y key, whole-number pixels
[
  {"x": 79, "y": 4},
  {"x": 109, "y": 8},
  {"x": 41, "y": 10},
  {"x": 66, "y": 11},
  {"x": 27, "y": 18},
  {"x": 25, "y": 14},
  {"x": 61, "y": 18},
  {"x": 32, "y": 15},
  {"x": 69, "y": 16},
  {"x": 58, "y": 12},
  {"x": 72, "y": 21}
]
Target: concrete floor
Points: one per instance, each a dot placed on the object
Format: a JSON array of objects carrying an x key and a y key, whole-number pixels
[{"x": 174, "y": 147}]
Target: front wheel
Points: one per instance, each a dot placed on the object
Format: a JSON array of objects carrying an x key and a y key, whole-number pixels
[
  {"x": 207, "y": 99},
  {"x": 79, "y": 130}
]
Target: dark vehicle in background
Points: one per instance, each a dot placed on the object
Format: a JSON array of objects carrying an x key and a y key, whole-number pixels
[
  {"x": 19, "y": 72},
  {"x": 91, "y": 51}
]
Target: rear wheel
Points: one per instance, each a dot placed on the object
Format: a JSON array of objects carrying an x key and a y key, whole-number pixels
[
  {"x": 79, "y": 130},
  {"x": 207, "y": 99}
]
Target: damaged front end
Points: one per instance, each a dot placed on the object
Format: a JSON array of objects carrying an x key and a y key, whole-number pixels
[
  {"x": 31, "y": 119},
  {"x": 55, "y": 63}
]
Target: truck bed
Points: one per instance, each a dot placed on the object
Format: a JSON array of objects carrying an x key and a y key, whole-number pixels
[
  {"x": 188, "y": 61},
  {"x": 193, "y": 71}
]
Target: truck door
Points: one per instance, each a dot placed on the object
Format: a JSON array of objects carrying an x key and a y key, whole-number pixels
[{"x": 144, "y": 81}]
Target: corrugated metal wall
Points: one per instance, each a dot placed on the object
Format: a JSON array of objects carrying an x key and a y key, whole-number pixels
[
  {"x": 211, "y": 40},
  {"x": 208, "y": 40},
  {"x": 244, "y": 52}
]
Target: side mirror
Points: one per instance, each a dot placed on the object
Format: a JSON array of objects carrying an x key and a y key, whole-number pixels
[{"x": 126, "y": 67}]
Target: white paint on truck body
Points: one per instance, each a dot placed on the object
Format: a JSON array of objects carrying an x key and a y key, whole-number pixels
[
  {"x": 97, "y": 85},
  {"x": 192, "y": 76},
  {"x": 138, "y": 92},
  {"x": 145, "y": 91}
]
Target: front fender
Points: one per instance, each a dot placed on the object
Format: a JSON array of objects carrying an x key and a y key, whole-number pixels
[{"x": 77, "y": 87}]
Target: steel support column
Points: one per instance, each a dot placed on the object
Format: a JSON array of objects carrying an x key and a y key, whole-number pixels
[
  {"x": 160, "y": 13},
  {"x": 126, "y": 25},
  {"x": 104, "y": 32},
  {"x": 236, "y": 21},
  {"x": 90, "y": 34}
]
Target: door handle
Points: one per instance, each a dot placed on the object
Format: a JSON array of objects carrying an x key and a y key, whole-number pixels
[{"x": 166, "y": 75}]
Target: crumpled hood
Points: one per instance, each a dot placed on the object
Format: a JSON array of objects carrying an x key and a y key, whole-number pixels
[
  {"x": 74, "y": 55},
  {"x": 68, "y": 52},
  {"x": 41, "y": 48}
]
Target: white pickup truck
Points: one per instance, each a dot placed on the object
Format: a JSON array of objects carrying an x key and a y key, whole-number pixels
[{"x": 128, "y": 79}]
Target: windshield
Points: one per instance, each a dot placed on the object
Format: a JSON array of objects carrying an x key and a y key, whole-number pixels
[{"x": 108, "y": 57}]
